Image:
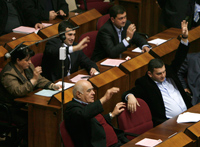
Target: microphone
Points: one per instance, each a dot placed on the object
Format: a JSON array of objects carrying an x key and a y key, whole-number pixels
[{"x": 8, "y": 54}]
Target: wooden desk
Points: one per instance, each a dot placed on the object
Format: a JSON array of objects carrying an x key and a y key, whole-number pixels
[
  {"x": 3, "y": 51},
  {"x": 136, "y": 68},
  {"x": 164, "y": 130},
  {"x": 87, "y": 22}
]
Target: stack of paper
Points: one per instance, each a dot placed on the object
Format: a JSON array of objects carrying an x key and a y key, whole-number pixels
[
  {"x": 24, "y": 30},
  {"x": 112, "y": 62},
  {"x": 188, "y": 117},
  {"x": 157, "y": 41},
  {"x": 149, "y": 142}
]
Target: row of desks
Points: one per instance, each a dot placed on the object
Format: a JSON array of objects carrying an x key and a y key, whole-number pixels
[{"x": 45, "y": 115}]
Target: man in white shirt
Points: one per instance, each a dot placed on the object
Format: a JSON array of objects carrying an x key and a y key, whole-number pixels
[{"x": 160, "y": 87}]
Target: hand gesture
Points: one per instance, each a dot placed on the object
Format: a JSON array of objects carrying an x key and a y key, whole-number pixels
[
  {"x": 36, "y": 73},
  {"x": 93, "y": 71},
  {"x": 130, "y": 31},
  {"x": 132, "y": 103},
  {"x": 81, "y": 44},
  {"x": 145, "y": 49},
  {"x": 52, "y": 15},
  {"x": 184, "y": 26},
  {"x": 39, "y": 26},
  {"x": 62, "y": 13},
  {"x": 109, "y": 93},
  {"x": 118, "y": 108}
]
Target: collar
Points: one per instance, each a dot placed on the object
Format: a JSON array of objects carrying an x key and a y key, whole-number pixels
[
  {"x": 160, "y": 82},
  {"x": 81, "y": 102},
  {"x": 117, "y": 29}
]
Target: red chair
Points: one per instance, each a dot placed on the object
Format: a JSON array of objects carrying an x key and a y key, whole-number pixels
[
  {"x": 37, "y": 59},
  {"x": 99, "y": 5},
  {"x": 102, "y": 20},
  {"x": 90, "y": 48},
  {"x": 67, "y": 141},
  {"x": 137, "y": 122}
]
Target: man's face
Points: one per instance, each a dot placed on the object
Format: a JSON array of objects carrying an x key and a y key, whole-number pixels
[
  {"x": 70, "y": 37},
  {"x": 120, "y": 20},
  {"x": 158, "y": 74},
  {"x": 87, "y": 95}
]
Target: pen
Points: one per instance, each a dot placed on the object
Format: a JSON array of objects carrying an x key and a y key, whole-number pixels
[
  {"x": 85, "y": 77},
  {"x": 172, "y": 135}
]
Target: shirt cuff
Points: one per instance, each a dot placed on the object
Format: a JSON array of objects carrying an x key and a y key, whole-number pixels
[
  {"x": 185, "y": 43},
  {"x": 147, "y": 46},
  {"x": 126, "y": 97},
  {"x": 70, "y": 49},
  {"x": 125, "y": 42}
]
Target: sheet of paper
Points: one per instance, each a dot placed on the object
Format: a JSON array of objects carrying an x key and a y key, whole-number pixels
[
  {"x": 25, "y": 30},
  {"x": 80, "y": 77},
  {"x": 137, "y": 50},
  {"x": 66, "y": 85},
  {"x": 112, "y": 62},
  {"x": 149, "y": 142},
  {"x": 47, "y": 24},
  {"x": 157, "y": 41},
  {"x": 188, "y": 117},
  {"x": 47, "y": 92}
]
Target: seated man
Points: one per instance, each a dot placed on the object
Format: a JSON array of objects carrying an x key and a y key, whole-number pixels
[
  {"x": 161, "y": 88},
  {"x": 190, "y": 69},
  {"x": 18, "y": 78},
  {"x": 84, "y": 122},
  {"x": 115, "y": 36},
  {"x": 36, "y": 11},
  {"x": 52, "y": 66}
]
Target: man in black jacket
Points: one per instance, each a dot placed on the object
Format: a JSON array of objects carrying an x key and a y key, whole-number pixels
[
  {"x": 52, "y": 66},
  {"x": 115, "y": 36},
  {"x": 84, "y": 122},
  {"x": 160, "y": 87}
]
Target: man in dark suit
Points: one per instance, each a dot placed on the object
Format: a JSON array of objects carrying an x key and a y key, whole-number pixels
[
  {"x": 116, "y": 35},
  {"x": 161, "y": 88},
  {"x": 52, "y": 65},
  {"x": 173, "y": 12},
  {"x": 190, "y": 70},
  {"x": 36, "y": 11},
  {"x": 84, "y": 122}
]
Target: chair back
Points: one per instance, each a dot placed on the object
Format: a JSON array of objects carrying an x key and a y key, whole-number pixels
[
  {"x": 90, "y": 48},
  {"x": 1, "y": 69},
  {"x": 37, "y": 59},
  {"x": 137, "y": 122},
  {"x": 102, "y": 20},
  {"x": 67, "y": 141}
]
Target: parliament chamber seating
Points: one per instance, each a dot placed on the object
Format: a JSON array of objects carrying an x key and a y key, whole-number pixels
[
  {"x": 67, "y": 141},
  {"x": 99, "y": 5},
  {"x": 90, "y": 48},
  {"x": 137, "y": 122},
  {"x": 37, "y": 59},
  {"x": 102, "y": 20}
]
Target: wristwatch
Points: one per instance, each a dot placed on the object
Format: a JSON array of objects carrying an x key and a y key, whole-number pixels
[{"x": 128, "y": 39}]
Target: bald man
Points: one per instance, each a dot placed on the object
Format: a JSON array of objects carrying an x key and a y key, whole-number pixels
[{"x": 84, "y": 122}]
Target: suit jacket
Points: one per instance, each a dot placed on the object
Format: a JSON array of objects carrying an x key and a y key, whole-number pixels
[
  {"x": 148, "y": 90},
  {"x": 52, "y": 66},
  {"x": 83, "y": 127},
  {"x": 173, "y": 12},
  {"x": 107, "y": 42},
  {"x": 34, "y": 10},
  {"x": 190, "y": 69},
  {"x": 14, "y": 85}
]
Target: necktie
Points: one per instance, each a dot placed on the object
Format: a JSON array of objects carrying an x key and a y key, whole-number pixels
[
  {"x": 196, "y": 14},
  {"x": 67, "y": 64}
]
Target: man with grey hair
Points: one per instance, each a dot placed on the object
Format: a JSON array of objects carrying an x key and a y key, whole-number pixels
[{"x": 84, "y": 122}]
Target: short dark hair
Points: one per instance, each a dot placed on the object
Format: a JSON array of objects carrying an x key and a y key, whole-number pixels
[
  {"x": 21, "y": 53},
  {"x": 63, "y": 25},
  {"x": 155, "y": 63},
  {"x": 116, "y": 9}
]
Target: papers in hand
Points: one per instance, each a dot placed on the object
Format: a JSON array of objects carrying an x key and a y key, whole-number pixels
[
  {"x": 157, "y": 41},
  {"x": 80, "y": 77},
  {"x": 149, "y": 142},
  {"x": 112, "y": 62},
  {"x": 137, "y": 50},
  {"x": 188, "y": 117},
  {"x": 49, "y": 93}
]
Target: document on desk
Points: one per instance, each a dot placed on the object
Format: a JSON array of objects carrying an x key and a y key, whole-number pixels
[
  {"x": 157, "y": 41},
  {"x": 148, "y": 142},
  {"x": 112, "y": 62},
  {"x": 188, "y": 117},
  {"x": 80, "y": 77},
  {"x": 49, "y": 93}
]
